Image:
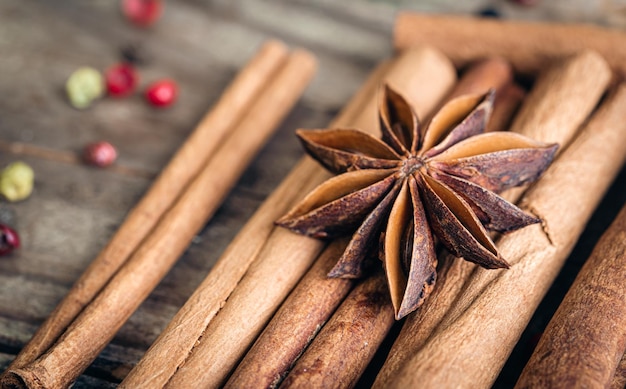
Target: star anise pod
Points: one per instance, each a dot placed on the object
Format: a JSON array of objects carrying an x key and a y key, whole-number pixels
[{"x": 417, "y": 184}]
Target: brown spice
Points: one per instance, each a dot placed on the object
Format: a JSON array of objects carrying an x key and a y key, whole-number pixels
[
  {"x": 315, "y": 297},
  {"x": 530, "y": 46},
  {"x": 294, "y": 325},
  {"x": 560, "y": 101},
  {"x": 479, "y": 76},
  {"x": 476, "y": 335},
  {"x": 586, "y": 338},
  {"x": 369, "y": 304},
  {"x": 441, "y": 181},
  {"x": 508, "y": 100}
]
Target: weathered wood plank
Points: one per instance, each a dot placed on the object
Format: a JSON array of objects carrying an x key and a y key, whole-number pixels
[{"x": 202, "y": 57}]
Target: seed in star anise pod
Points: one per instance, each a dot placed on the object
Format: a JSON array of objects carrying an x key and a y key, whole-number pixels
[{"x": 415, "y": 184}]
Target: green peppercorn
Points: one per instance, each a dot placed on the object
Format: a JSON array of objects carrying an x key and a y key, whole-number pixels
[
  {"x": 84, "y": 85},
  {"x": 16, "y": 181}
]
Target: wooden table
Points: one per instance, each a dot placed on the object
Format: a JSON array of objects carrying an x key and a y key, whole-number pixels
[{"x": 74, "y": 209}]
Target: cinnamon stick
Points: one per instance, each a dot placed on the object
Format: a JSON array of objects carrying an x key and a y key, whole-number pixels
[
  {"x": 367, "y": 313},
  {"x": 421, "y": 85},
  {"x": 508, "y": 100},
  {"x": 586, "y": 338},
  {"x": 172, "y": 347},
  {"x": 295, "y": 324},
  {"x": 183, "y": 167},
  {"x": 265, "y": 365},
  {"x": 286, "y": 256},
  {"x": 478, "y": 77},
  {"x": 559, "y": 103},
  {"x": 98, "y": 323},
  {"x": 529, "y": 46},
  {"x": 476, "y": 335},
  {"x": 496, "y": 73}
]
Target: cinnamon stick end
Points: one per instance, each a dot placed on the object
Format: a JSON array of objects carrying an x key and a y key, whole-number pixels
[{"x": 13, "y": 380}]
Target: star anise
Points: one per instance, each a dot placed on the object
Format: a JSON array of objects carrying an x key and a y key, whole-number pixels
[{"x": 416, "y": 183}]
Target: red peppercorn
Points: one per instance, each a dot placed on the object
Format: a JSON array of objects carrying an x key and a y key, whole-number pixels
[
  {"x": 101, "y": 154},
  {"x": 121, "y": 79},
  {"x": 9, "y": 240},
  {"x": 142, "y": 12},
  {"x": 162, "y": 93}
]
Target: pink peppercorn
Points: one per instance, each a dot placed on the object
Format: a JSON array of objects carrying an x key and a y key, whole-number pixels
[
  {"x": 9, "y": 240},
  {"x": 100, "y": 154},
  {"x": 121, "y": 79},
  {"x": 142, "y": 12},
  {"x": 162, "y": 93}
]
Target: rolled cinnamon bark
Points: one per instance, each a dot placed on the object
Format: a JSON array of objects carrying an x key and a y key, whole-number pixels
[
  {"x": 496, "y": 73},
  {"x": 492, "y": 72},
  {"x": 559, "y": 103},
  {"x": 294, "y": 325},
  {"x": 184, "y": 166},
  {"x": 286, "y": 256},
  {"x": 367, "y": 313},
  {"x": 586, "y": 338},
  {"x": 98, "y": 323},
  {"x": 476, "y": 335},
  {"x": 172, "y": 347},
  {"x": 529, "y": 46},
  {"x": 508, "y": 100},
  {"x": 263, "y": 365}
]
